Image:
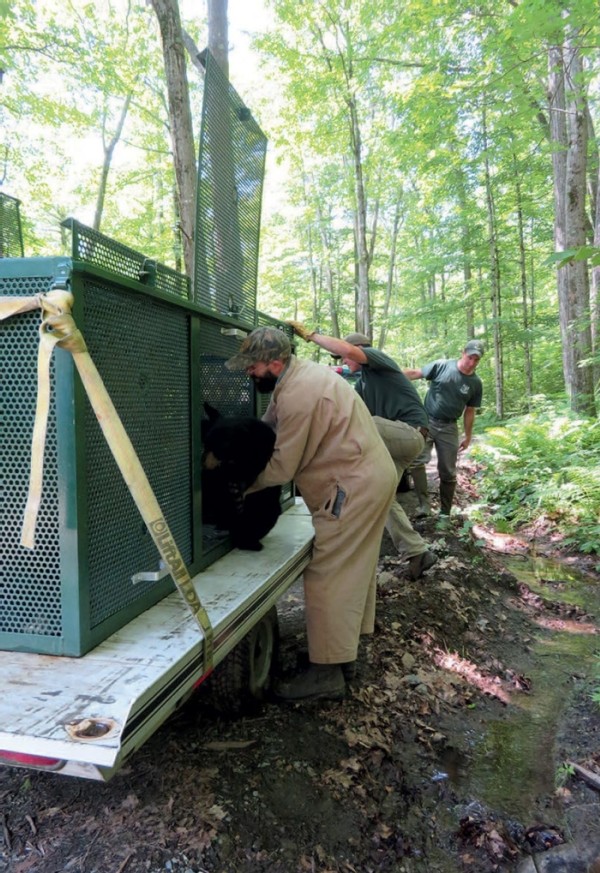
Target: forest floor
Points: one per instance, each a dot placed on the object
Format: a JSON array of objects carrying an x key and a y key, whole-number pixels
[{"x": 406, "y": 774}]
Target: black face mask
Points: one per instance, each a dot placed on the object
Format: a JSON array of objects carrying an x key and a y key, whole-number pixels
[{"x": 264, "y": 384}]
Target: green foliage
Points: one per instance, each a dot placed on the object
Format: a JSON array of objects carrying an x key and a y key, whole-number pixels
[
  {"x": 569, "y": 256},
  {"x": 563, "y": 774},
  {"x": 546, "y": 463}
]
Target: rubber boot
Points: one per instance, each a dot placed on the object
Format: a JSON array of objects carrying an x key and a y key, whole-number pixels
[
  {"x": 447, "y": 490},
  {"x": 419, "y": 475},
  {"x": 319, "y": 682}
]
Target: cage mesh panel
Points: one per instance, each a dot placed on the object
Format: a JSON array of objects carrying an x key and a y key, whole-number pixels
[
  {"x": 101, "y": 251},
  {"x": 230, "y": 178},
  {"x": 11, "y": 238},
  {"x": 30, "y": 585},
  {"x": 141, "y": 349},
  {"x": 229, "y": 391}
]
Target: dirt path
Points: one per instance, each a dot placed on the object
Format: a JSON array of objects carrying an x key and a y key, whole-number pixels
[{"x": 375, "y": 783}]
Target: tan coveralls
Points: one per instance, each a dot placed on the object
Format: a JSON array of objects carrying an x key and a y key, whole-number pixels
[{"x": 326, "y": 441}]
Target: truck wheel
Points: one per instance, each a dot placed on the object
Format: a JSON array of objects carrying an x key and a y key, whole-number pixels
[{"x": 239, "y": 682}]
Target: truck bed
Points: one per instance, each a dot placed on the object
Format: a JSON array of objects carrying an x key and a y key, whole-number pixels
[{"x": 85, "y": 716}]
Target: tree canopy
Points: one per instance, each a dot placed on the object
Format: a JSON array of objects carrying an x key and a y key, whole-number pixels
[{"x": 436, "y": 166}]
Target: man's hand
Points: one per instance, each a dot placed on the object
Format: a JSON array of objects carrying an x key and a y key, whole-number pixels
[{"x": 301, "y": 330}]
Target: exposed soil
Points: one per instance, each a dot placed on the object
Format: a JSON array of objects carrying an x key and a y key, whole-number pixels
[{"x": 369, "y": 784}]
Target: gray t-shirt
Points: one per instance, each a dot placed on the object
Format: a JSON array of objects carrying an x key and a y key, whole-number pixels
[
  {"x": 387, "y": 391},
  {"x": 450, "y": 390}
]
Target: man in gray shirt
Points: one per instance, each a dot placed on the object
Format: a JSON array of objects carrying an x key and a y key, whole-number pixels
[{"x": 454, "y": 390}]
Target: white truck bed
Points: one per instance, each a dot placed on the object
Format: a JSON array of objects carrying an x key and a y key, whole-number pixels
[{"x": 87, "y": 715}]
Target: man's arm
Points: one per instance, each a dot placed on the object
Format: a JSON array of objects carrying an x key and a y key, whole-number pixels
[
  {"x": 468, "y": 419},
  {"x": 331, "y": 344},
  {"x": 413, "y": 374}
]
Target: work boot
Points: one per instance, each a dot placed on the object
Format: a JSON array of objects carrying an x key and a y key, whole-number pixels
[
  {"x": 447, "y": 490},
  {"x": 419, "y": 475},
  {"x": 319, "y": 682},
  {"x": 419, "y": 563},
  {"x": 349, "y": 670}
]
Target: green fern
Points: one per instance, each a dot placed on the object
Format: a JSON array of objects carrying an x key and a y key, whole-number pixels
[{"x": 544, "y": 463}]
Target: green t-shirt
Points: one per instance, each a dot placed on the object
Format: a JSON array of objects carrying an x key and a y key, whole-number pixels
[
  {"x": 450, "y": 390},
  {"x": 387, "y": 391}
]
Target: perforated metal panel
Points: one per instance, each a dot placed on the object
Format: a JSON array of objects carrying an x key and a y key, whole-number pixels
[
  {"x": 77, "y": 585},
  {"x": 229, "y": 391},
  {"x": 99, "y": 250},
  {"x": 230, "y": 179},
  {"x": 141, "y": 349},
  {"x": 30, "y": 583},
  {"x": 11, "y": 236}
]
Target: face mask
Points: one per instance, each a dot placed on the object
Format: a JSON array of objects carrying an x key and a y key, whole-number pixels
[{"x": 264, "y": 384}]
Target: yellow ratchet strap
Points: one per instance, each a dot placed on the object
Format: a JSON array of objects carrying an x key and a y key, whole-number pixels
[{"x": 58, "y": 328}]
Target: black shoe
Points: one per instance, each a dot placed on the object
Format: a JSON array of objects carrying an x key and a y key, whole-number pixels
[
  {"x": 420, "y": 563},
  {"x": 319, "y": 682}
]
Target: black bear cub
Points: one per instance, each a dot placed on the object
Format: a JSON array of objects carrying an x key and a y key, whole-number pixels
[{"x": 236, "y": 450}]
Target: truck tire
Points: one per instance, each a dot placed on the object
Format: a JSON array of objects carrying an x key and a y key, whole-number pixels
[{"x": 240, "y": 681}]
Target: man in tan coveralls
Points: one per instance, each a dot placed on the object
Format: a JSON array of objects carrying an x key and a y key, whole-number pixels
[{"x": 328, "y": 444}]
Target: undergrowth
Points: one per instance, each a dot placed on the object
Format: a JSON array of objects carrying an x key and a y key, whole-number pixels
[{"x": 544, "y": 464}]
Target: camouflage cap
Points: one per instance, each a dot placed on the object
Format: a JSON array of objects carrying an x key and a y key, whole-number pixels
[
  {"x": 475, "y": 347},
  {"x": 263, "y": 344}
]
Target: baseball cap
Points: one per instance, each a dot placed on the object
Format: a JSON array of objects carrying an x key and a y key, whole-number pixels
[
  {"x": 357, "y": 339},
  {"x": 263, "y": 344},
  {"x": 475, "y": 347}
]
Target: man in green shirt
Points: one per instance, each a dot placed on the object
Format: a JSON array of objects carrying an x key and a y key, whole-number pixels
[
  {"x": 400, "y": 418},
  {"x": 454, "y": 390}
]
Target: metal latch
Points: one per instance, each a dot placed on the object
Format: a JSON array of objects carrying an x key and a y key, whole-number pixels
[{"x": 151, "y": 575}]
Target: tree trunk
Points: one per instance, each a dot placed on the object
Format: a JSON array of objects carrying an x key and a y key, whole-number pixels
[
  {"x": 579, "y": 338},
  {"x": 595, "y": 284},
  {"x": 495, "y": 279},
  {"x": 363, "y": 302},
  {"x": 108, "y": 156},
  {"x": 558, "y": 140},
  {"x": 466, "y": 258},
  {"x": 527, "y": 366},
  {"x": 182, "y": 135},
  {"x": 390, "y": 276},
  {"x": 218, "y": 35},
  {"x": 325, "y": 235}
]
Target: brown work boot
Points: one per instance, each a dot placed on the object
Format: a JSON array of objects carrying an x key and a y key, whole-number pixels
[
  {"x": 420, "y": 563},
  {"x": 319, "y": 682}
]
